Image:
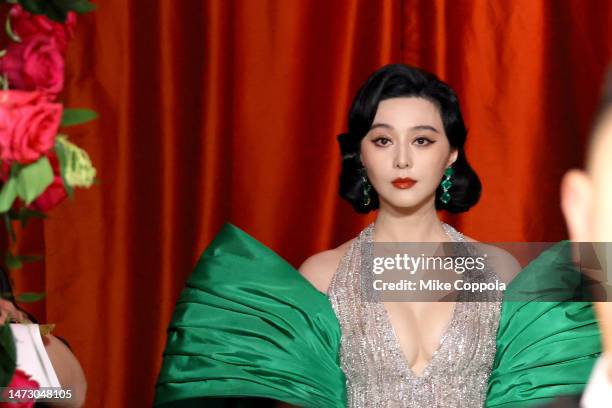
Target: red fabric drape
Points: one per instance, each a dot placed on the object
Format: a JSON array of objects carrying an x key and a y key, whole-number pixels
[{"x": 215, "y": 111}]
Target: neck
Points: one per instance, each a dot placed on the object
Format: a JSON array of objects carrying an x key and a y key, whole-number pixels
[{"x": 419, "y": 224}]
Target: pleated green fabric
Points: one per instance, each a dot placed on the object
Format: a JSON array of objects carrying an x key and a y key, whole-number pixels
[
  {"x": 544, "y": 348},
  {"x": 249, "y": 330},
  {"x": 249, "y": 325},
  {"x": 7, "y": 355}
]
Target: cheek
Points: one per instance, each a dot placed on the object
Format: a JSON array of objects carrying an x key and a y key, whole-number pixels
[
  {"x": 430, "y": 163},
  {"x": 375, "y": 159},
  {"x": 365, "y": 154}
]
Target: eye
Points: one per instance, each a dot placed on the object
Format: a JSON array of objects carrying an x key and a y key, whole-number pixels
[
  {"x": 423, "y": 141},
  {"x": 381, "y": 141}
]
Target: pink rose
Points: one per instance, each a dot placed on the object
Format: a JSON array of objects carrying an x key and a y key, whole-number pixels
[
  {"x": 35, "y": 64},
  {"x": 55, "y": 193},
  {"x": 20, "y": 381},
  {"x": 27, "y": 25},
  {"x": 28, "y": 125}
]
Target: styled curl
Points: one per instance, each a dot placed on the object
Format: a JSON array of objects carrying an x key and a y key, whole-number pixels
[{"x": 394, "y": 81}]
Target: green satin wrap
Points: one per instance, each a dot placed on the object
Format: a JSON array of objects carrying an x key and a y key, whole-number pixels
[
  {"x": 544, "y": 348},
  {"x": 249, "y": 325}
]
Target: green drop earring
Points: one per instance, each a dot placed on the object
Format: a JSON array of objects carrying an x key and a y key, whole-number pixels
[{"x": 446, "y": 185}]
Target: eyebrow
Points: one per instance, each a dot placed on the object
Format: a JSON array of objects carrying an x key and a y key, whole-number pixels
[{"x": 418, "y": 127}]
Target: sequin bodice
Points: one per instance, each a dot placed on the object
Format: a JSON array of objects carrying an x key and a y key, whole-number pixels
[{"x": 377, "y": 372}]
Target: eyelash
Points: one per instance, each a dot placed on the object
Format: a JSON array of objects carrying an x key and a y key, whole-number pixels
[
  {"x": 429, "y": 141},
  {"x": 380, "y": 138}
]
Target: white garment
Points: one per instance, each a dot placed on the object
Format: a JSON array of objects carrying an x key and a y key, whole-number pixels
[{"x": 598, "y": 392}]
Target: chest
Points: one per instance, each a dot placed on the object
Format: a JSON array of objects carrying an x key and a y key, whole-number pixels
[
  {"x": 420, "y": 329},
  {"x": 411, "y": 339}
]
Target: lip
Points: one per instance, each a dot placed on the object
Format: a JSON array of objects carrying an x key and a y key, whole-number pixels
[{"x": 403, "y": 183}]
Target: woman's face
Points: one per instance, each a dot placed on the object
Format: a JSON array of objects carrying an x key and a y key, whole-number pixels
[{"x": 406, "y": 152}]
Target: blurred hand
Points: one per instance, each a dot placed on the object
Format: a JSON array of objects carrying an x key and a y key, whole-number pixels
[{"x": 8, "y": 311}]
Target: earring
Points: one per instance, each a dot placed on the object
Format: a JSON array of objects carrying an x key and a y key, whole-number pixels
[
  {"x": 366, "y": 187},
  {"x": 446, "y": 185}
]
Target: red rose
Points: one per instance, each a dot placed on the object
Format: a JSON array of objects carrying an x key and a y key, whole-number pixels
[
  {"x": 35, "y": 64},
  {"x": 20, "y": 381},
  {"x": 15, "y": 99},
  {"x": 27, "y": 25},
  {"x": 51, "y": 198},
  {"x": 55, "y": 193},
  {"x": 28, "y": 125},
  {"x": 5, "y": 170}
]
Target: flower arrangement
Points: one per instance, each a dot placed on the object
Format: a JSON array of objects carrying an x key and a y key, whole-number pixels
[{"x": 39, "y": 165}]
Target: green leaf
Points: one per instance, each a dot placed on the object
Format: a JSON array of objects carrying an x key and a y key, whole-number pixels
[
  {"x": 12, "y": 262},
  {"x": 57, "y": 9},
  {"x": 71, "y": 117},
  {"x": 63, "y": 162},
  {"x": 80, "y": 6},
  {"x": 33, "y": 180},
  {"x": 8, "y": 358},
  {"x": 24, "y": 214},
  {"x": 16, "y": 261},
  {"x": 8, "y": 194},
  {"x": 42, "y": 7},
  {"x": 30, "y": 258},
  {"x": 8, "y": 223},
  {"x": 27, "y": 213},
  {"x": 29, "y": 297}
]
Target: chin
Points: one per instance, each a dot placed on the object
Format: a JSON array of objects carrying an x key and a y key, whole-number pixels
[{"x": 407, "y": 201}]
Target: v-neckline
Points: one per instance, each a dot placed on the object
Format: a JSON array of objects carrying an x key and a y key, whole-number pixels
[
  {"x": 396, "y": 347},
  {"x": 389, "y": 331}
]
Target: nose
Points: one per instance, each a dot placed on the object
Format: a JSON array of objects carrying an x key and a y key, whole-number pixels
[{"x": 402, "y": 157}]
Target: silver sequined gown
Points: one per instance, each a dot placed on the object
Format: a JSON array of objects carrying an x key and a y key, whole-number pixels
[{"x": 377, "y": 372}]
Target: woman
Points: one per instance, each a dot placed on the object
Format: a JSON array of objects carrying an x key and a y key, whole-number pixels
[
  {"x": 405, "y": 133},
  {"x": 248, "y": 325}
]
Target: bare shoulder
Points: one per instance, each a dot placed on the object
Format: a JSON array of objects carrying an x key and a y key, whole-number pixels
[
  {"x": 319, "y": 268},
  {"x": 502, "y": 262}
]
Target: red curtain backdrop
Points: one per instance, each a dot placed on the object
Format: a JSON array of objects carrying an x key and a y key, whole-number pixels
[{"x": 216, "y": 111}]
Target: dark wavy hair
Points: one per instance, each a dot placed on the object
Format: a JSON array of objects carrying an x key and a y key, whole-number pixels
[{"x": 393, "y": 81}]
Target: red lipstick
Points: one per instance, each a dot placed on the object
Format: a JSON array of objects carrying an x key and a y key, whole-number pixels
[{"x": 403, "y": 183}]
